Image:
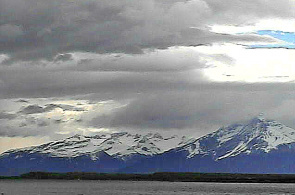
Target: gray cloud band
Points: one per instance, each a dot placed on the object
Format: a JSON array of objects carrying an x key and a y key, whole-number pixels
[
  {"x": 32, "y": 30},
  {"x": 166, "y": 94}
]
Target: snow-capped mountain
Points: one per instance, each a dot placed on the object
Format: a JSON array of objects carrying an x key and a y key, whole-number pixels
[
  {"x": 117, "y": 145},
  {"x": 256, "y": 146},
  {"x": 253, "y": 137}
]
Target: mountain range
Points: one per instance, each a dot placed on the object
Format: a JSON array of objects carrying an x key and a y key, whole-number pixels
[{"x": 255, "y": 146}]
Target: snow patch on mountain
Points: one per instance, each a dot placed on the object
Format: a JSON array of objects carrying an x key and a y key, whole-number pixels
[
  {"x": 255, "y": 136},
  {"x": 119, "y": 145}
]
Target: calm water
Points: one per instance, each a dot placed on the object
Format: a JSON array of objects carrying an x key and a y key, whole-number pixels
[{"x": 53, "y": 187}]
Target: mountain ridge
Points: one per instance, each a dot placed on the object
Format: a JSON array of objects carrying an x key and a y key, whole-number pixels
[
  {"x": 115, "y": 144},
  {"x": 257, "y": 135},
  {"x": 233, "y": 149}
]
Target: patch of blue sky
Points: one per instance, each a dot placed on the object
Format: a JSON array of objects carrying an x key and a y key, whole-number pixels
[{"x": 287, "y": 37}]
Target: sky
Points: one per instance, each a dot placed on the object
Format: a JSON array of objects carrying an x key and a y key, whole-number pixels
[{"x": 185, "y": 67}]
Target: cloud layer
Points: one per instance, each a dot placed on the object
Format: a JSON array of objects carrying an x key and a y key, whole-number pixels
[
  {"x": 71, "y": 67},
  {"x": 34, "y": 29}
]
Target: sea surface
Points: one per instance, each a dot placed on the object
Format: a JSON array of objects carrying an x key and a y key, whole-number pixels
[{"x": 58, "y": 187}]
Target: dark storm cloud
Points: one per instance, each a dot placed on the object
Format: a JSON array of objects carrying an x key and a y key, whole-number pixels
[
  {"x": 178, "y": 110},
  {"x": 208, "y": 108},
  {"x": 171, "y": 60},
  {"x": 35, "y": 109},
  {"x": 34, "y": 29},
  {"x": 64, "y": 107},
  {"x": 32, "y": 83},
  {"x": 32, "y": 109}
]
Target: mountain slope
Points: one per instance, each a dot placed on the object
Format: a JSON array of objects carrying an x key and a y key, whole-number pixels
[
  {"x": 100, "y": 153},
  {"x": 115, "y": 144},
  {"x": 22, "y": 162},
  {"x": 253, "y": 137},
  {"x": 256, "y": 146}
]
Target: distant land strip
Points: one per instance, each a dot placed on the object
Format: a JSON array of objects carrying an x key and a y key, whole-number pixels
[{"x": 163, "y": 176}]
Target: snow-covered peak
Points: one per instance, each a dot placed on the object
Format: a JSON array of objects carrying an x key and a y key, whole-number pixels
[
  {"x": 119, "y": 145},
  {"x": 255, "y": 136}
]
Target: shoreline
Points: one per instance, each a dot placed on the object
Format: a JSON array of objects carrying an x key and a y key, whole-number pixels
[{"x": 160, "y": 176}]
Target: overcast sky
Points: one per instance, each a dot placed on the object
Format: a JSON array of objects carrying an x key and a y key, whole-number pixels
[{"x": 172, "y": 66}]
